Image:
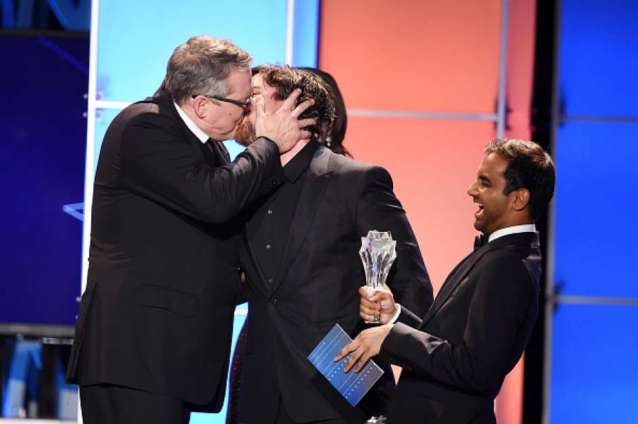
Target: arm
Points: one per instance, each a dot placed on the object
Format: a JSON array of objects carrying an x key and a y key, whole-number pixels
[
  {"x": 498, "y": 308},
  {"x": 379, "y": 209},
  {"x": 160, "y": 165}
]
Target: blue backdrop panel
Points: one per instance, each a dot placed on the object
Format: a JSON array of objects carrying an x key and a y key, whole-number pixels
[
  {"x": 594, "y": 371},
  {"x": 598, "y": 60},
  {"x": 306, "y": 33},
  {"x": 43, "y": 135},
  {"x": 136, "y": 38},
  {"x": 596, "y": 204}
]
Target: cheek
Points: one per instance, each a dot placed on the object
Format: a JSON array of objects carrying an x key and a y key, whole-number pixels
[{"x": 235, "y": 116}]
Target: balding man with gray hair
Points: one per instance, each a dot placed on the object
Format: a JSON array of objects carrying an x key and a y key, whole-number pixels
[{"x": 154, "y": 330}]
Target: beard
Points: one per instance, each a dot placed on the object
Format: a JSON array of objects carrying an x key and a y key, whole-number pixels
[{"x": 245, "y": 133}]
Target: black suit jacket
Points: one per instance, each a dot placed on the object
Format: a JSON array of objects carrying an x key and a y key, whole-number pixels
[
  {"x": 317, "y": 286},
  {"x": 163, "y": 275},
  {"x": 455, "y": 359}
]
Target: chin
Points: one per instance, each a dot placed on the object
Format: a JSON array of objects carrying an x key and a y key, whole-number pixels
[{"x": 245, "y": 134}]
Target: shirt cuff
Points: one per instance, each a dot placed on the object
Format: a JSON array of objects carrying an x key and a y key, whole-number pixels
[{"x": 395, "y": 317}]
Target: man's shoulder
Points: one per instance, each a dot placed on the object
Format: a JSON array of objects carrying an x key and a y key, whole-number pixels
[
  {"x": 350, "y": 167},
  {"x": 508, "y": 265},
  {"x": 153, "y": 109}
]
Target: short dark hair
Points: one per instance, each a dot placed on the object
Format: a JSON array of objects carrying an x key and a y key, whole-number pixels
[
  {"x": 529, "y": 167},
  {"x": 285, "y": 79},
  {"x": 201, "y": 66}
]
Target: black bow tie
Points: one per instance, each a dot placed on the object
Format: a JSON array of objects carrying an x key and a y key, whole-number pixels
[{"x": 480, "y": 241}]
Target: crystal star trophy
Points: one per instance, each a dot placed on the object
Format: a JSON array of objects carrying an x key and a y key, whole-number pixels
[{"x": 378, "y": 252}]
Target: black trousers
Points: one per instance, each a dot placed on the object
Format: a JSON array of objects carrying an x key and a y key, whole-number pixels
[
  {"x": 283, "y": 418},
  {"x": 108, "y": 404}
]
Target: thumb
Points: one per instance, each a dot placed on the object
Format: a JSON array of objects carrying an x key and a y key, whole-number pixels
[{"x": 259, "y": 103}]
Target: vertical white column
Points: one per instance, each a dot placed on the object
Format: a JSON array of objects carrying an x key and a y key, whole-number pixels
[
  {"x": 290, "y": 30},
  {"x": 89, "y": 174},
  {"x": 501, "y": 110}
]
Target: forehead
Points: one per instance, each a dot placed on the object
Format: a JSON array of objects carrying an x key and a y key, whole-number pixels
[
  {"x": 238, "y": 81},
  {"x": 493, "y": 164},
  {"x": 262, "y": 86}
]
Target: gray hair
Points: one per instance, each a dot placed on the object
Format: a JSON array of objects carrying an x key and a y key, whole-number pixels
[{"x": 201, "y": 66}]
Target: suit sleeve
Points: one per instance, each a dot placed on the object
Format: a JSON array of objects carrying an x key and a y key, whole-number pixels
[
  {"x": 160, "y": 165},
  {"x": 409, "y": 318},
  {"x": 379, "y": 209},
  {"x": 498, "y": 310}
]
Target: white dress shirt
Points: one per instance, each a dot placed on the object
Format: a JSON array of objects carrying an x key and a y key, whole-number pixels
[
  {"x": 515, "y": 229},
  {"x": 201, "y": 135}
]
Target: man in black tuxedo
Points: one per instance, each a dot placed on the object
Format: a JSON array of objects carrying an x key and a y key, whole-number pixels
[
  {"x": 153, "y": 333},
  {"x": 455, "y": 358},
  {"x": 303, "y": 268}
]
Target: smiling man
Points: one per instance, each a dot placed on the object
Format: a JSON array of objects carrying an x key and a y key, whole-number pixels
[{"x": 455, "y": 358}]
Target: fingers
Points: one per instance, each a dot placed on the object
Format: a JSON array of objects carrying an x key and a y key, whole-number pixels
[
  {"x": 359, "y": 354},
  {"x": 307, "y": 122},
  {"x": 259, "y": 105},
  {"x": 380, "y": 296},
  {"x": 369, "y": 309},
  {"x": 350, "y": 347},
  {"x": 358, "y": 359},
  {"x": 306, "y": 135},
  {"x": 365, "y": 292},
  {"x": 369, "y": 304},
  {"x": 369, "y": 312},
  {"x": 291, "y": 101},
  {"x": 361, "y": 361},
  {"x": 301, "y": 107}
]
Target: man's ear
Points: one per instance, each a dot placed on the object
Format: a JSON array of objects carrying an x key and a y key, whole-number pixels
[
  {"x": 520, "y": 199},
  {"x": 198, "y": 104}
]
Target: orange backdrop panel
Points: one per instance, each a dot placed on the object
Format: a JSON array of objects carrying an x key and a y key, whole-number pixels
[
  {"x": 520, "y": 67},
  {"x": 432, "y": 164},
  {"x": 437, "y": 55}
]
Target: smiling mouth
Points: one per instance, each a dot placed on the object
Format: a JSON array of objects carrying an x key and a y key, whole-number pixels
[{"x": 479, "y": 211}]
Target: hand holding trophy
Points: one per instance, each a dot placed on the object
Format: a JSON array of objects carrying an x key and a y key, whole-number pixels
[{"x": 378, "y": 252}]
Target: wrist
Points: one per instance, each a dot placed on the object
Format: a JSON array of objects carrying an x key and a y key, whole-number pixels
[{"x": 397, "y": 312}]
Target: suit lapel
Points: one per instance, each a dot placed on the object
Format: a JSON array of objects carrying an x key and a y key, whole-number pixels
[
  {"x": 314, "y": 186},
  {"x": 453, "y": 280},
  {"x": 461, "y": 271}
]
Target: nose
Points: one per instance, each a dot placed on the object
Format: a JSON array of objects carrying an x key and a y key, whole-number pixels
[{"x": 471, "y": 190}]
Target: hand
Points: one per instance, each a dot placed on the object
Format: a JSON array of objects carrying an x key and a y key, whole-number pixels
[
  {"x": 376, "y": 306},
  {"x": 283, "y": 126},
  {"x": 366, "y": 345}
]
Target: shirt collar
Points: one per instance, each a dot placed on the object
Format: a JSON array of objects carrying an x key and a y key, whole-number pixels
[
  {"x": 300, "y": 162},
  {"x": 201, "y": 135},
  {"x": 515, "y": 229}
]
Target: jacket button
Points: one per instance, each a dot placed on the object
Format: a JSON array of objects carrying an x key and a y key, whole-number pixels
[{"x": 274, "y": 300}]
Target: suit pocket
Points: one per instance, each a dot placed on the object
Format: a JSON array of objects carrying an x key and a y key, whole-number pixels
[{"x": 166, "y": 298}]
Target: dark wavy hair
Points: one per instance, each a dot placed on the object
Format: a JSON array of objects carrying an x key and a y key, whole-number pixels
[
  {"x": 285, "y": 79},
  {"x": 334, "y": 141},
  {"x": 530, "y": 167}
]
